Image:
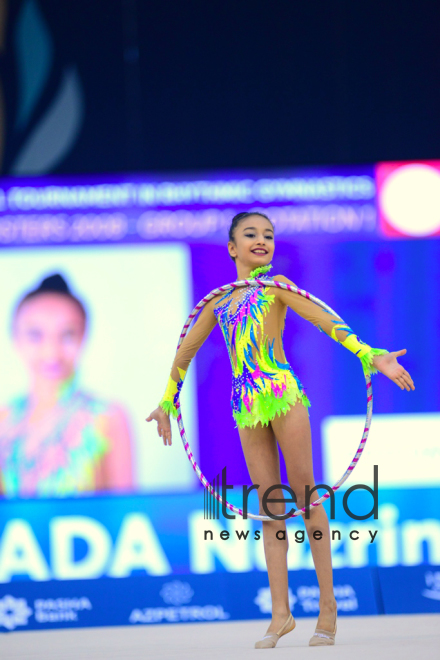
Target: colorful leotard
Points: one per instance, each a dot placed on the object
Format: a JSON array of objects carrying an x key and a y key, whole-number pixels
[
  {"x": 252, "y": 322},
  {"x": 58, "y": 456}
]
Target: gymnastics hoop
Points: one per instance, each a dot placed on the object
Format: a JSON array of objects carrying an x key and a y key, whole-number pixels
[{"x": 197, "y": 470}]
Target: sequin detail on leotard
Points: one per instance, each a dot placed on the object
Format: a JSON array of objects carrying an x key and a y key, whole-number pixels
[{"x": 262, "y": 386}]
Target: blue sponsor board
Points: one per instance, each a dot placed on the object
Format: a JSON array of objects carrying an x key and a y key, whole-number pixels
[
  {"x": 138, "y": 600},
  {"x": 410, "y": 589},
  {"x": 93, "y": 561}
]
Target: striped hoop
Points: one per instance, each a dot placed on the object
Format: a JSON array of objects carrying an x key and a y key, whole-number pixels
[{"x": 197, "y": 470}]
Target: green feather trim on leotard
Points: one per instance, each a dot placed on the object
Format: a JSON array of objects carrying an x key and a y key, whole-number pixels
[
  {"x": 259, "y": 271},
  {"x": 367, "y": 360},
  {"x": 266, "y": 406}
]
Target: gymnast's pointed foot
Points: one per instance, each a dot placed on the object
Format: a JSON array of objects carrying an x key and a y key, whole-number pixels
[
  {"x": 322, "y": 637},
  {"x": 270, "y": 640}
]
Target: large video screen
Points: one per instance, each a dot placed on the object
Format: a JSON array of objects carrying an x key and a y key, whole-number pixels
[
  {"x": 78, "y": 389},
  {"x": 81, "y": 372}
]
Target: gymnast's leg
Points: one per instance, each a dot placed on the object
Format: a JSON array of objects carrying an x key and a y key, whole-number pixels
[
  {"x": 262, "y": 459},
  {"x": 293, "y": 433}
]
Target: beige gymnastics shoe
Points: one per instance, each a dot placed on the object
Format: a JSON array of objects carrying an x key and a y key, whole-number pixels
[
  {"x": 323, "y": 637},
  {"x": 271, "y": 640}
]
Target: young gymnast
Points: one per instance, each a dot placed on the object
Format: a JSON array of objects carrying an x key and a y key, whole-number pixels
[{"x": 270, "y": 405}]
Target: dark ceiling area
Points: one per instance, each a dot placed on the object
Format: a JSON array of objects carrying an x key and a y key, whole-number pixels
[{"x": 173, "y": 86}]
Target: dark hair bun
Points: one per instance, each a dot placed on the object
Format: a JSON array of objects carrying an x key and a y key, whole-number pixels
[
  {"x": 57, "y": 284},
  {"x": 54, "y": 283}
]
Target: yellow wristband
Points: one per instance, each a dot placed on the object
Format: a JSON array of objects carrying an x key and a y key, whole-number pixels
[
  {"x": 170, "y": 391},
  {"x": 357, "y": 347}
]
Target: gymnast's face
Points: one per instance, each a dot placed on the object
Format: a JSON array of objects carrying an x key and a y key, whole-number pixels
[
  {"x": 253, "y": 243},
  {"x": 48, "y": 334}
]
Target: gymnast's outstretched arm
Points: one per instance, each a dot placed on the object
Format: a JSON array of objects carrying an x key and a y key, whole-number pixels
[{"x": 373, "y": 359}]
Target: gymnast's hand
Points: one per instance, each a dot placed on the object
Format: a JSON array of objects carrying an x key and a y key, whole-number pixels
[
  {"x": 163, "y": 424},
  {"x": 387, "y": 364}
]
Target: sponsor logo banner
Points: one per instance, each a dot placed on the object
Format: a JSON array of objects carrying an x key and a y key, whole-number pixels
[
  {"x": 410, "y": 589},
  {"x": 26, "y": 605}
]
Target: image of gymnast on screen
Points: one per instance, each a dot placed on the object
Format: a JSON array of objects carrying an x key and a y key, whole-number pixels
[{"x": 57, "y": 439}]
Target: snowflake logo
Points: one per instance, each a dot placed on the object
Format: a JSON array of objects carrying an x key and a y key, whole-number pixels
[
  {"x": 14, "y": 612},
  {"x": 176, "y": 592},
  {"x": 264, "y": 600},
  {"x": 432, "y": 581}
]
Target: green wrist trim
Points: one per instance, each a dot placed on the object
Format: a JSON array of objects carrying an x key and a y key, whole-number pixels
[
  {"x": 367, "y": 360},
  {"x": 167, "y": 402},
  {"x": 169, "y": 408}
]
